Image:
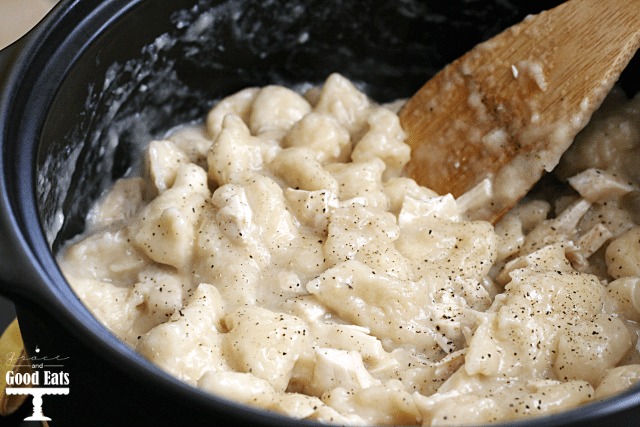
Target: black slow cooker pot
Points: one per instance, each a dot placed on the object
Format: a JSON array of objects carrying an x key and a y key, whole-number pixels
[{"x": 95, "y": 80}]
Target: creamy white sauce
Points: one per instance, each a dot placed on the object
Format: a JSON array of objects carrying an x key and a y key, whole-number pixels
[{"x": 278, "y": 257}]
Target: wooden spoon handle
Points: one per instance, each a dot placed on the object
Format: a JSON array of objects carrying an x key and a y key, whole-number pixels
[{"x": 509, "y": 108}]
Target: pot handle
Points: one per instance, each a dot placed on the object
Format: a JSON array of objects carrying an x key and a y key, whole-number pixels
[
  {"x": 7, "y": 56},
  {"x": 15, "y": 283}
]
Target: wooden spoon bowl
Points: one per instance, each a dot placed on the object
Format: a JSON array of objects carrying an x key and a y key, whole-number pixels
[{"x": 501, "y": 115}]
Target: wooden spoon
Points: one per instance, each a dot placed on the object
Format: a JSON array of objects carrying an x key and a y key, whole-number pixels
[{"x": 502, "y": 114}]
